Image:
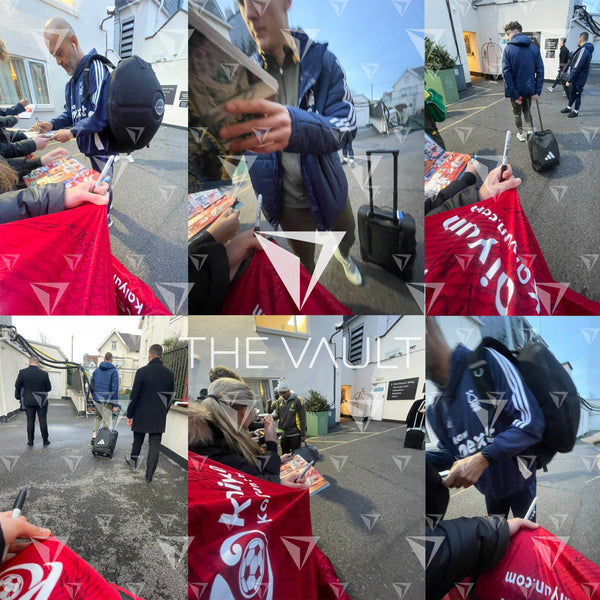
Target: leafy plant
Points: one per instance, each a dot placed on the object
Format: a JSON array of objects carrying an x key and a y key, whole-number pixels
[
  {"x": 437, "y": 57},
  {"x": 316, "y": 402}
]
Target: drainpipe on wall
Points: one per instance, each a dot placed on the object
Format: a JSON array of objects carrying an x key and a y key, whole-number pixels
[{"x": 453, "y": 31}]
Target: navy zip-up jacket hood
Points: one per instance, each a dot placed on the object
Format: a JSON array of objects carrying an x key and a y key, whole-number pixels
[
  {"x": 105, "y": 380},
  {"x": 87, "y": 117},
  {"x": 466, "y": 424},
  {"x": 522, "y": 68},
  {"x": 580, "y": 64},
  {"x": 322, "y": 123}
]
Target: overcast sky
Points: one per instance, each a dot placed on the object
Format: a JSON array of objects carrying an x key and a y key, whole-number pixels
[{"x": 87, "y": 333}]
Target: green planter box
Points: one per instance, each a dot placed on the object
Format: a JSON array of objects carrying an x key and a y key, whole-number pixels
[
  {"x": 443, "y": 82},
  {"x": 316, "y": 423}
]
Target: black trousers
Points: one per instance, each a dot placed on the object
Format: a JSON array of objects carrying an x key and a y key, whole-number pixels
[
  {"x": 519, "y": 503},
  {"x": 154, "y": 440},
  {"x": 575, "y": 95},
  {"x": 290, "y": 443},
  {"x": 42, "y": 412}
]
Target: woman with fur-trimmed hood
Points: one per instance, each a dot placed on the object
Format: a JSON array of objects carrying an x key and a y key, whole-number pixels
[{"x": 218, "y": 429}]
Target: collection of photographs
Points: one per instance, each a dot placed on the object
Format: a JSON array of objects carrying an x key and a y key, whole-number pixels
[{"x": 329, "y": 378}]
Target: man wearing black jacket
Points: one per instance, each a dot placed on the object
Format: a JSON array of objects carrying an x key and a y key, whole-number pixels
[
  {"x": 151, "y": 398},
  {"x": 563, "y": 62},
  {"x": 31, "y": 388},
  {"x": 15, "y": 143},
  {"x": 52, "y": 198}
]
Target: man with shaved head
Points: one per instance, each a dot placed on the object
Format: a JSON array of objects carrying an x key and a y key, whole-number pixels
[
  {"x": 85, "y": 117},
  {"x": 31, "y": 389}
]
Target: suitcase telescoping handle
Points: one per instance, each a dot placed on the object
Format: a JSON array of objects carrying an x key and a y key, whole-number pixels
[
  {"x": 395, "y": 195},
  {"x": 539, "y": 115}
]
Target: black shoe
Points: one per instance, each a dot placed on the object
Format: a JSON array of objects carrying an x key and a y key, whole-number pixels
[
  {"x": 30, "y": 443},
  {"x": 148, "y": 479},
  {"x": 46, "y": 442},
  {"x": 573, "y": 114},
  {"x": 132, "y": 462},
  {"x": 566, "y": 110}
]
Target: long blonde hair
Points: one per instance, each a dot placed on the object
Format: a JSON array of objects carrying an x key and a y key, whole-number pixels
[
  {"x": 4, "y": 55},
  {"x": 8, "y": 177},
  {"x": 231, "y": 395}
]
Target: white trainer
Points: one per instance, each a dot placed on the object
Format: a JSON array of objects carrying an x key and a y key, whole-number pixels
[{"x": 350, "y": 269}]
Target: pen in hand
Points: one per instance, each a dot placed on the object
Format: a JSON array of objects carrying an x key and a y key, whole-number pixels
[
  {"x": 19, "y": 502},
  {"x": 107, "y": 166},
  {"x": 15, "y": 514}
]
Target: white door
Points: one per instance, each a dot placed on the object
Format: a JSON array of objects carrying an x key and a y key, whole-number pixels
[
  {"x": 378, "y": 393},
  {"x": 56, "y": 383}
]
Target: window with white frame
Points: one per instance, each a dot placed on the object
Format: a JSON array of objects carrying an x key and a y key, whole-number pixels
[
  {"x": 23, "y": 78},
  {"x": 283, "y": 324},
  {"x": 113, "y": 346},
  {"x": 69, "y": 6}
]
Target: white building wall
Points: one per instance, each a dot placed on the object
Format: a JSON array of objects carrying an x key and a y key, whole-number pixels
[
  {"x": 409, "y": 90},
  {"x": 155, "y": 330},
  {"x": 265, "y": 358},
  {"x": 24, "y": 38},
  {"x": 554, "y": 21},
  {"x": 164, "y": 49},
  {"x": 125, "y": 360},
  {"x": 396, "y": 356},
  {"x": 437, "y": 27},
  {"x": 11, "y": 362}
]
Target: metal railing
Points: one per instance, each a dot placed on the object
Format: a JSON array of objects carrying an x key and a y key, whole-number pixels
[{"x": 177, "y": 360}]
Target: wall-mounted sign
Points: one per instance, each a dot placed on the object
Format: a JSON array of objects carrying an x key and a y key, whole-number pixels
[
  {"x": 403, "y": 389},
  {"x": 169, "y": 92}
]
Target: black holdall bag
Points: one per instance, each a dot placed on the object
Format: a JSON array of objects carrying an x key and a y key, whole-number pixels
[
  {"x": 308, "y": 453},
  {"x": 136, "y": 103},
  {"x": 543, "y": 148},
  {"x": 415, "y": 426},
  {"x": 549, "y": 383},
  {"x": 105, "y": 442}
]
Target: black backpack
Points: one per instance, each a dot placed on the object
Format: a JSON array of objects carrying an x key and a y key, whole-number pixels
[
  {"x": 136, "y": 103},
  {"x": 548, "y": 381}
]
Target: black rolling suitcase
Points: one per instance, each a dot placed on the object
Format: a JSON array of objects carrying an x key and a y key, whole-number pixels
[
  {"x": 415, "y": 432},
  {"x": 543, "y": 147},
  {"x": 105, "y": 442},
  {"x": 384, "y": 233}
]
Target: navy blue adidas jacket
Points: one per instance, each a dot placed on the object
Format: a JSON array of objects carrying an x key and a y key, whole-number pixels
[
  {"x": 580, "y": 64},
  {"x": 458, "y": 419},
  {"x": 87, "y": 117},
  {"x": 322, "y": 123},
  {"x": 522, "y": 68},
  {"x": 105, "y": 381}
]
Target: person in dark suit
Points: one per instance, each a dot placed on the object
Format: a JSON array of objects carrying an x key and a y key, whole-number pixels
[
  {"x": 31, "y": 388},
  {"x": 151, "y": 397}
]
